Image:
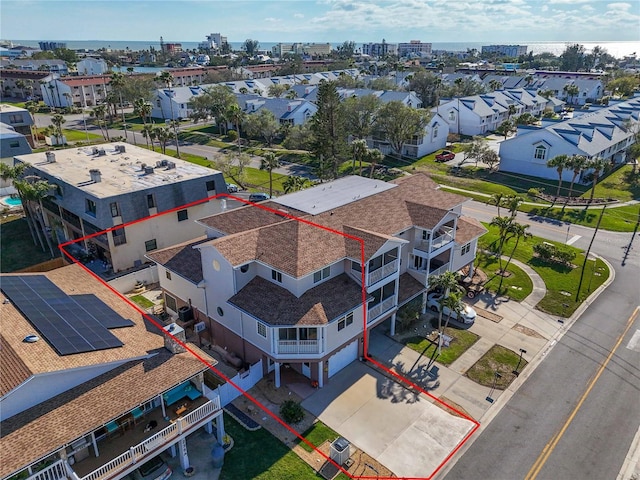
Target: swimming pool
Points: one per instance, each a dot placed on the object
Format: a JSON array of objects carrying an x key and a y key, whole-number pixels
[{"x": 10, "y": 201}]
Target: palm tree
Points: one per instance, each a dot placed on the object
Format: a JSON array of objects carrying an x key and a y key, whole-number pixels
[
  {"x": 577, "y": 164},
  {"x": 162, "y": 134},
  {"x": 513, "y": 202},
  {"x": 32, "y": 190},
  {"x": 497, "y": 199},
  {"x": 294, "y": 183},
  {"x": 598, "y": 165},
  {"x": 559, "y": 162},
  {"x": 33, "y": 108},
  {"x": 455, "y": 305},
  {"x": 142, "y": 108},
  {"x": 511, "y": 111},
  {"x": 447, "y": 282},
  {"x": 148, "y": 132},
  {"x": 519, "y": 232},
  {"x": 57, "y": 120},
  {"x": 571, "y": 90},
  {"x": 374, "y": 156},
  {"x": 20, "y": 86},
  {"x": 100, "y": 112},
  {"x": 359, "y": 151},
  {"x": 235, "y": 114},
  {"x": 167, "y": 80},
  {"x": 117, "y": 83},
  {"x": 503, "y": 224},
  {"x": 268, "y": 163}
]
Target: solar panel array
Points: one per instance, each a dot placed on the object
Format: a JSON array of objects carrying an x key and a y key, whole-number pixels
[{"x": 71, "y": 324}]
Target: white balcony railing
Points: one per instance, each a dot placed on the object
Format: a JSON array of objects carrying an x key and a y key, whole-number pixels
[
  {"x": 298, "y": 346},
  {"x": 439, "y": 270},
  {"x": 379, "y": 309},
  {"x": 55, "y": 471},
  {"x": 160, "y": 439},
  {"x": 383, "y": 272}
]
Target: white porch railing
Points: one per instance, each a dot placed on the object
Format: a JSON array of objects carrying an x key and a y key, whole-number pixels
[
  {"x": 383, "y": 272},
  {"x": 55, "y": 471},
  {"x": 162, "y": 438},
  {"x": 439, "y": 270},
  {"x": 379, "y": 309},
  {"x": 298, "y": 346}
]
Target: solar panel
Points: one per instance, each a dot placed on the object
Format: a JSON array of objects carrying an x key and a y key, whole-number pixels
[
  {"x": 62, "y": 320},
  {"x": 104, "y": 314}
]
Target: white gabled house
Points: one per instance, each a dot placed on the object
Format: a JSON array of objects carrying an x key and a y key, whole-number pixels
[
  {"x": 606, "y": 133},
  {"x": 284, "y": 282}
]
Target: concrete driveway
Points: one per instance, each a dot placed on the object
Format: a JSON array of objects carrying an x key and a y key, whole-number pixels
[{"x": 403, "y": 431}]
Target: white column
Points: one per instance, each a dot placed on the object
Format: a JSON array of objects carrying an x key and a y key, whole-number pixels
[
  {"x": 95, "y": 444},
  {"x": 172, "y": 451},
  {"x": 393, "y": 325},
  {"x": 184, "y": 455},
  {"x": 208, "y": 427},
  {"x": 164, "y": 411},
  {"x": 320, "y": 374},
  {"x": 277, "y": 374},
  {"x": 423, "y": 307},
  {"x": 220, "y": 429}
]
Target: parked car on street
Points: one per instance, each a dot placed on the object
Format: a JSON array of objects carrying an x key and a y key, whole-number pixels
[
  {"x": 258, "y": 197},
  {"x": 445, "y": 156},
  {"x": 232, "y": 188},
  {"x": 466, "y": 317}
]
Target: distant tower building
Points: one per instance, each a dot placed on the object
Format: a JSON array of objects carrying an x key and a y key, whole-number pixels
[
  {"x": 214, "y": 42},
  {"x": 47, "y": 46},
  {"x": 514, "y": 51},
  {"x": 379, "y": 49},
  {"x": 414, "y": 47}
]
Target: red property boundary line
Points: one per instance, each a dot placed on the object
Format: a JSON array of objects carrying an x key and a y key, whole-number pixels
[{"x": 394, "y": 374}]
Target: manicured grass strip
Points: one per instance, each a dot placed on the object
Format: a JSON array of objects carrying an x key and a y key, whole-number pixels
[
  {"x": 561, "y": 280},
  {"x": 317, "y": 434},
  {"x": 461, "y": 341},
  {"x": 620, "y": 184},
  {"x": 142, "y": 301},
  {"x": 497, "y": 359},
  {"x": 616, "y": 219},
  {"x": 518, "y": 278},
  {"x": 80, "y": 136},
  {"x": 261, "y": 456},
  {"x": 18, "y": 250}
]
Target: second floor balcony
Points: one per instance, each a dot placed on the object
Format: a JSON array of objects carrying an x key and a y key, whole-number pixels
[
  {"x": 375, "y": 311},
  {"x": 382, "y": 272},
  {"x": 298, "y": 347}
]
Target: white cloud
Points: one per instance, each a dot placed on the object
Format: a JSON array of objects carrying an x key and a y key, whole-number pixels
[
  {"x": 298, "y": 15},
  {"x": 618, "y": 6}
]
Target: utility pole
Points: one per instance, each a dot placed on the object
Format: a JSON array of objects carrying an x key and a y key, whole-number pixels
[{"x": 586, "y": 255}]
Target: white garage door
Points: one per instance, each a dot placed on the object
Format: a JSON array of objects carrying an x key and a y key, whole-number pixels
[{"x": 343, "y": 358}]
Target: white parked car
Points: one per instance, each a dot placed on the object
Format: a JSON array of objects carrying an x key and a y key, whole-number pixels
[{"x": 467, "y": 316}]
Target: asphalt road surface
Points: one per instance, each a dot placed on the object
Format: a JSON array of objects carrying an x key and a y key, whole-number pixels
[{"x": 576, "y": 415}]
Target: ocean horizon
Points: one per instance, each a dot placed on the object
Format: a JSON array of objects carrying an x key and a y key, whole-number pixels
[{"x": 616, "y": 49}]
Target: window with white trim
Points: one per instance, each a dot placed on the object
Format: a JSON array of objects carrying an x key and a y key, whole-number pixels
[
  {"x": 262, "y": 329},
  {"x": 345, "y": 321},
  {"x": 321, "y": 274},
  {"x": 465, "y": 249},
  {"x": 540, "y": 153}
]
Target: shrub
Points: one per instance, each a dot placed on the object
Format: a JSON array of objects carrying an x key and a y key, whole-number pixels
[
  {"x": 232, "y": 135},
  {"x": 291, "y": 411},
  {"x": 545, "y": 250}
]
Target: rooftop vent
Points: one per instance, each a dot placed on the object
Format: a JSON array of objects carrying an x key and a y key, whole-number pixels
[
  {"x": 51, "y": 157},
  {"x": 170, "y": 165},
  {"x": 95, "y": 175},
  {"x": 148, "y": 170},
  {"x": 102, "y": 152},
  {"x": 120, "y": 149}
]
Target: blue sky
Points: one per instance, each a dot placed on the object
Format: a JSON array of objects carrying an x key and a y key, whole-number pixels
[{"x": 496, "y": 21}]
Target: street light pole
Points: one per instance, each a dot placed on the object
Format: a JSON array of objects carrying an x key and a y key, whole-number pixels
[{"x": 515, "y": 372}]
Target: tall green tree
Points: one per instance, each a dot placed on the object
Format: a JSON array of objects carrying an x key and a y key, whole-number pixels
[
  {"x": 358, "y": 152},
  {"x": 328, "y": 127},
  {"x": 519, "y": 232},
  {"x": 426, "y": 85},
  {"x": 99, "y": 112},
  {"x": 399, "y": 124},
  {"x": 32, "y": 190},
  {"x": 117, "y": 84},
  {"x": 597, "y": 165},
  {"x": 560, "y": 163},
  {"x": 251, "y": 46},
  {"x": 497, "y": 199},
  {"x": 262, "y": 125},
  {"x": 576, "y": 163},
  {"x": 504, "y": 233},
  {"x": 448, "y": 283},
  {"x": 269, "y": 162},
  {"x": 571, "y": 90},
  {"x": 374, "y": 157},
  {"x": 57, "y": 121},
  {"x": 236, "y": 116},
  {"x": 454, "y": 304},
  {"x": 166, "y": 79},
  {"x": 572, "y": 59},
  {"x": 294, "y": 183},
  {"x": 360, "y": 115}
]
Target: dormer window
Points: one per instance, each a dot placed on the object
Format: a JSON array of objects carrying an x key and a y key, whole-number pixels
[{"x": 540, "y": 152}]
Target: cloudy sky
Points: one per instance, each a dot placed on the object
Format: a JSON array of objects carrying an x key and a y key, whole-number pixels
[{"x": 334, "y": 21}]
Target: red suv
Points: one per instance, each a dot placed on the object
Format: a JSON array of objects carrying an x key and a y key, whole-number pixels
[{"x": 445, "y": 156}]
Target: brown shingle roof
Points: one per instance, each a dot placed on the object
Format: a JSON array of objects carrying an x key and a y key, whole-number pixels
[
  {"x": 409, "y": 287},
  {"x": 14, "y": 370},
  {"x": 46, "y": 427},
  {"x": 182, "y": 259},
  {"x": 258, "y": 234},
  {"x": 317, "y": 306},
  {"x": 468, "y": 229}
]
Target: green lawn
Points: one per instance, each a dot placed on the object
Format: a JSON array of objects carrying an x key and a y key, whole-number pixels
[
  {"x": 317, "y": 434},
  {"x": 18, "y": 250},
  {"x": 461, "y": 341},
  {"x": 517, "y": 278},
  {"x": 80, "y": 136},
  {"x": 620, "y": 185},
  {"x": 497, "y": 359},
  {"x": 616, "y": 219},
  {"x": 561, "y": 281},
  {"x": 142, "y": 301},
  {"x": 259, "y": 455}
]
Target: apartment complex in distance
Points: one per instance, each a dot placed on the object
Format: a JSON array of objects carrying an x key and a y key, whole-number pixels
[
  {"x": 414, "y": 48},
  {"x": 100, "y": 187},
  {"x": 284, "y": 282},
  {"x": 79, "y": 384},
  {"x": 506, "y": 50}
]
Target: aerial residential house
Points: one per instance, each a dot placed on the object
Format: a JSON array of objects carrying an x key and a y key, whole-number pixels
[
  {"x": 79, "y": 91},
  {"x": 289, "y": 282},
  {"x": 75, "y": 398},
  {"x": 480, "y": 114},
  {"x": 286, "y": 111},
  {"x": 92, "y": 66},
  {"x": 109, "y": 185},
  {"x": 606, "y": 133},
  {"x": 19, "y": 119}
]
